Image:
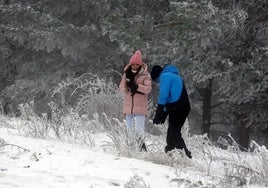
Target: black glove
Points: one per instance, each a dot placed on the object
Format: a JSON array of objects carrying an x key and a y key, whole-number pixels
[
  {"x": 160, "y": 115},
  {"x": 129, "y": 84},
  {"x": 133, "y": 87}
]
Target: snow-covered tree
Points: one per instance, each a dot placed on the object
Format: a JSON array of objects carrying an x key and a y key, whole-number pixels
[{"x": 221, "y": 51}]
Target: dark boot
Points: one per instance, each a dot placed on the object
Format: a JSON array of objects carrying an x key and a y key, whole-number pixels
[
  {"x": 169, "y": 148},
  {"x": 142, "y": 145},
  {"x": 181, "y": 145},
  {"x": 188, "y": 153}
]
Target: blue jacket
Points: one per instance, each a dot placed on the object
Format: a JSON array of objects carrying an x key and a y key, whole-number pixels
[{"x": 171, "y": 85}]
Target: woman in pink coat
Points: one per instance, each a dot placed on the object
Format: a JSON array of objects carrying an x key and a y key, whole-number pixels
[{"x": 136, "y": 84}]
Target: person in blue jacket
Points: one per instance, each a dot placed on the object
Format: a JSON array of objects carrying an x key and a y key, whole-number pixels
[{"x": 173, "y": 102}]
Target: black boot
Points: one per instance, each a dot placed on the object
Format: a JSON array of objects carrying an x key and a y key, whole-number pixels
[
  {"x": 141, "y": 144},
  {"x": 168, "y": 148},
  {"x": 143, "y": 147},
  {"x": 188, "y": 153},
  {"x": 182, "y": 145}
]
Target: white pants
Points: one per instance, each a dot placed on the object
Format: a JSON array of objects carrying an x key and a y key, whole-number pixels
[{"x": 135, "y": 125}]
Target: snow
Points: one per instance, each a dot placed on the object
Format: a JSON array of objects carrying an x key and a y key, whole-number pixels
[
  {"x": 28, "y": 162},
  {"x": 56, "y": 164}
]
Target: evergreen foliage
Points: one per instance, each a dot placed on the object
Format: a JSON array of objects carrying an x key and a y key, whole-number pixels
[{"x": 43, "y": 43}]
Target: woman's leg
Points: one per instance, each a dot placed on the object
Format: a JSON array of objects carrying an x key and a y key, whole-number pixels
[
  {"x": 139, "y": 128},
  {"x": 129, "y": 125},
  {"x": 140, "y": 132}
]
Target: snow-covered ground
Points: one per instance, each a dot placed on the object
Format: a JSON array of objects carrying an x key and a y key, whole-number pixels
[
  {"x": 56, "y": 164},
  {"x": 27, "y": 162}
]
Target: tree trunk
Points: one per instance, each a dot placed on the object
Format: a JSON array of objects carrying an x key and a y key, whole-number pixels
[
  {"x": 206, "y": 118},
  {"x": 243, "y": 140}
]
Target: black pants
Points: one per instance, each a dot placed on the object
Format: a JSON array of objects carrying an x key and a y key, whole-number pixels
[{"x": 176, "y": 120}]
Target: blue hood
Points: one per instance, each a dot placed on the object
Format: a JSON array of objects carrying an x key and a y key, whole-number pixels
[
  {"x": 171, "y": 69},
  {"x": 171, "y": 84}
]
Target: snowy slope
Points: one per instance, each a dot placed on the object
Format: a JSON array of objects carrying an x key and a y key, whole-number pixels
[
  {"x": 55, "y": 164},
  {"x": 26, "y": 162}
]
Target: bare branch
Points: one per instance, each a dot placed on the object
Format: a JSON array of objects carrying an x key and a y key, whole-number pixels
[{"x": 26, "y": 150}]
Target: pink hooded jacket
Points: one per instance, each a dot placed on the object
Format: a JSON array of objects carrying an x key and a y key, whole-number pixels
[{"x": 138, "y": 103}]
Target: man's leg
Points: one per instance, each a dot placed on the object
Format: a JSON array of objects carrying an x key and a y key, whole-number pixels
[
  {"x": 172, "y": 137},
  {"x": 182, "y": 115}
]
